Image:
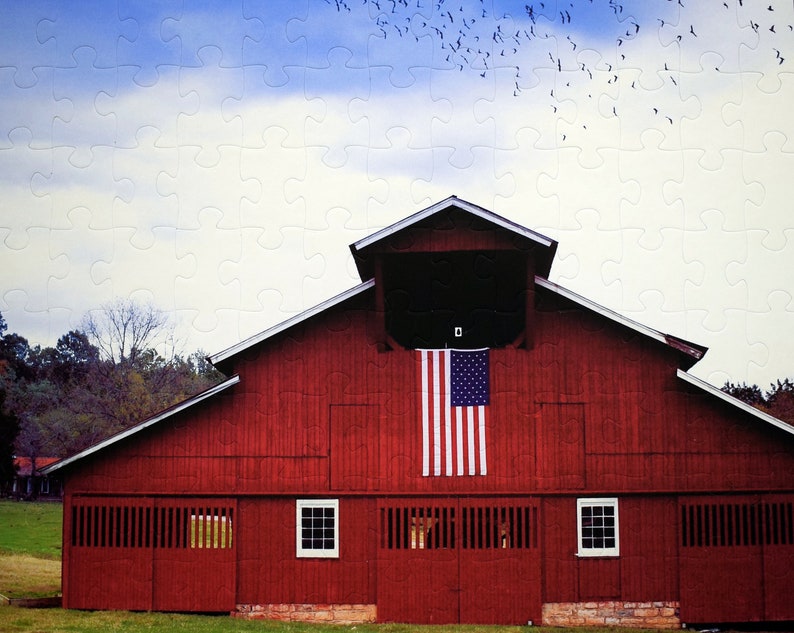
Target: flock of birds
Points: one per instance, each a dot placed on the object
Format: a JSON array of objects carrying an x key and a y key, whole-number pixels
[{"x": 470, "y": 36}]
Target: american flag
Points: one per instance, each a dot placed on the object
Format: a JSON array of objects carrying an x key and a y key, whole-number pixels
[{"x": 455, "y": 394}]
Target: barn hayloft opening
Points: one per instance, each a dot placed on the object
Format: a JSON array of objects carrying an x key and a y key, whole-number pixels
[
  {"x": 463, "y": 299},
  {"x": 454, "y": 275}
]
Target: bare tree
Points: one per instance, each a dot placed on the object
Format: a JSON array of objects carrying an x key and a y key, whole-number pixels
[{"x": 124, "y": 329}]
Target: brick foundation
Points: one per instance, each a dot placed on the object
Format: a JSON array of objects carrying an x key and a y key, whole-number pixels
[
  {"x": 647, "y": 615},
  {"x": 330, "y": 613}
]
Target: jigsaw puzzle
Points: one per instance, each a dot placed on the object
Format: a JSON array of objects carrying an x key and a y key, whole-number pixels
[{"x": 223, "y": 160}]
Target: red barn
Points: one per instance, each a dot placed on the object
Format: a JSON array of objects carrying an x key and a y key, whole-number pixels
[{"x": 456, "y": 439}]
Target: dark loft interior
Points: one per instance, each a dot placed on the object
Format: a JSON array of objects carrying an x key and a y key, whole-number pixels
[{"x": 466, "y": 300}]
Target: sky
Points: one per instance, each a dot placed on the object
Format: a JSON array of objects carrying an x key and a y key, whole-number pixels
[{"x": 217, "y": 159}]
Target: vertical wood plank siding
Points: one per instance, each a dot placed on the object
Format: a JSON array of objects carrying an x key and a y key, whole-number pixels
[
  {"x": 141, "y": 554},
  {"x": 628, "y": 424},
  {"x": 270, "y": 573},
  {"x": 468, "y": 560},
  {"x": 745, "y": 538}
]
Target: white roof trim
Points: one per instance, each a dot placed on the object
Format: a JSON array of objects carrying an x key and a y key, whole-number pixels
[
  {"x": 719, "y": 393},
  {"x": 610, "y": 314},
  {"x": 284, "y": 325},
  {"x": 462, "y": 204},
  {"x": 143, "y": 425}
]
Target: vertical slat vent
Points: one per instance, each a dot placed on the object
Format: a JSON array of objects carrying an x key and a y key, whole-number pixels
[
  {"x": 449, "y": 527},
  {"x": 499, "y": 527},
  {"x": 418, "y": 527},
  {"x": 737, "y": 524},
  {"x": 178, "y": 526}
]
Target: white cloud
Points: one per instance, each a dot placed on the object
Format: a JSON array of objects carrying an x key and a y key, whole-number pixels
[{"x": 232, "y": 202}]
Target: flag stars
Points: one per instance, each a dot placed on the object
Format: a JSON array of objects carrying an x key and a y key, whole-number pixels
[{"x": 469, "y": 378}]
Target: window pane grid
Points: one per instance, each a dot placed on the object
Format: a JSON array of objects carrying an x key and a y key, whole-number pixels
[
  {"x": 598, "y": 527},
  {"x": 317, "y": 529}
]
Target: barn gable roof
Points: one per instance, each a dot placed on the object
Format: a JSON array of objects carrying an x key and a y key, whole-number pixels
[
  {"x": 155, "y": 419},
  {"x": 693, "y": 351},
  {"x": 390, "y": 234}
]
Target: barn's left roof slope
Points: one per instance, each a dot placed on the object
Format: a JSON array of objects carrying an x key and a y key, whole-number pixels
[{"x": 137, "y": 428}]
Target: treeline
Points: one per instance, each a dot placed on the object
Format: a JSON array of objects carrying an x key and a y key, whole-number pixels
[
  {"x": 118, "y": 368},
  {"x": 778, "y": 400}
]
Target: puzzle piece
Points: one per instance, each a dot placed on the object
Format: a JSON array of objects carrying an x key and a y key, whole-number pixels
[{"x": 223, "y": 160}]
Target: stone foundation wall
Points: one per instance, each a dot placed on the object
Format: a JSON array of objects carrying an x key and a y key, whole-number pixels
[
  {"x": 330, "y": 613},
  {"x": 648, "y": 615}
]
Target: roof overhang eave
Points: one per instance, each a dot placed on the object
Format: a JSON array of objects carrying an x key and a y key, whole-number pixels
[
  {"x": 159, "y": 417},
  {"x": 740, "y": 404}
]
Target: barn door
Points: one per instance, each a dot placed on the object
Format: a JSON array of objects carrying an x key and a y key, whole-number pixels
[
  {"x": 450, "y": 561},
  {"x": 194, "y": 555},
  {"x": 417, "y": 562},
  {"x": 499, "y": 562},
  {"x": 736, "y": 557},
  {"x": 108, "y": 553},
  {"x": 141, "y": 554}
]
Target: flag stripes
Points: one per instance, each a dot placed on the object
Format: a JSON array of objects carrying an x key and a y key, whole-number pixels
[{"x": 453, "y": 436}]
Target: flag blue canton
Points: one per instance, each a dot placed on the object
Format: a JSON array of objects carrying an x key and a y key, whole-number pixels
[{"x": 469, "y": 378}]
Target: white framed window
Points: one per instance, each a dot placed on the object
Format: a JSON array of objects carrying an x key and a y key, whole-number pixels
[
  {"x": 598, "y": 528},
  {"x": 317, "y": 528}
]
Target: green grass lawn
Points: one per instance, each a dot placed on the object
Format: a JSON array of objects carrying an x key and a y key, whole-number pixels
[
  {"x": 13, "y": 620},
  {"x": 31, "y": 528},
  {"x": 30, "y": 549}
]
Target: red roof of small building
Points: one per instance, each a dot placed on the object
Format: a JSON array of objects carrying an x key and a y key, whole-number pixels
[{"x": 24, "y": 465}]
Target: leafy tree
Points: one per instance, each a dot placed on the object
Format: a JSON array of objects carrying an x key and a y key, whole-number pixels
[
  {"x": 16, "y": 353},
  {"x": 93, "y": 383},
  {"x": 751, "y": 394},
  {"x": 74, "y": 356},
  {"x": 778, "y": 401},
  {"x": 9, "y": 429},
  {"x": 9, "y": 424}
]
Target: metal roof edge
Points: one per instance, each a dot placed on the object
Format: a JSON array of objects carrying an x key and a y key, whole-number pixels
[
  {"x": 719, "y": 393},
  {"x": 158, "y": 417},
  {"x": 667, "y": 339},
  {"x": 470, "y": 207},
  {"x": 294, "y": 320}
]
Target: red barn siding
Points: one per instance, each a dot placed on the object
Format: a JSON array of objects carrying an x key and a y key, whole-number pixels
[
  {"x": 560, "y": 446},
  {"x": 736, "y": 558},
  {"x": 593, "y": 410},
  {"x": 142, "y": 554},
  {"x": 469, "y": 560},
  {"x": 646, "y": 569},
  {"x": 648, "y": 548},
  {"x": 354, "y": 456},
  {"x": 560, "y": 582},
  {"x": 93, "y": 576},
  {"x": 269, "y": 572}
]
